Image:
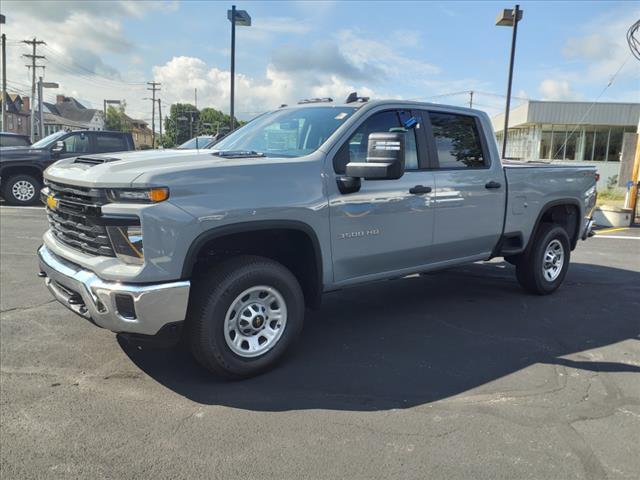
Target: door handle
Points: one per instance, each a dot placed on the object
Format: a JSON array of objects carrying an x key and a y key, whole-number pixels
[
  {"x": 493, "y": 184},
  {"x": 419, "y": 190}
]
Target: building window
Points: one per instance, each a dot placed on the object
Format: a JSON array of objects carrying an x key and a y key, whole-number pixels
[
  {"x": 601, "y": 144},
  {"x": 545, "y": 144},
  {"x": 615, "y": 144},
  {"x": 587, "y": 147}
]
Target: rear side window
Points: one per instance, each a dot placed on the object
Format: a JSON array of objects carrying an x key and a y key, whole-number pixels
[
  {"x": 457, "y": 141},
  {"x": 110, "y": 143}
]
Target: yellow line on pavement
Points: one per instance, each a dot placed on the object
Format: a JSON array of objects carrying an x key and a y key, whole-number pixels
[{"x": 609, "y": 230}]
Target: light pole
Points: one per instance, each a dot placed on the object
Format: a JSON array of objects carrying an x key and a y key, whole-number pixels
[
  {"x": 240, "y": 18},
  {"x": 509, "y": 18},
  {"x": 41, "y": 86}
]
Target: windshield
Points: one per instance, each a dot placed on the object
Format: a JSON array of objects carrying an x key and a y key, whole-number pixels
[
  {"x": 203, "y": 141},
  {"x": 288, "y": 132},
  {"x": 48, "y": 140}
]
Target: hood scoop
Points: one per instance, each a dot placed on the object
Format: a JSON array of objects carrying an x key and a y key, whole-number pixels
[{"x": 95, "y": 160}]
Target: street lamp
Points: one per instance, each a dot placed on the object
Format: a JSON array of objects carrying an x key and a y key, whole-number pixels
[
  {"x": 42, "y": 85},
  {"x": 240, "y": 18},
  {"x": 509, "y": 18}
]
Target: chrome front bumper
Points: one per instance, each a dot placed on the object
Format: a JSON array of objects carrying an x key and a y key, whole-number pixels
[{"x": 149, "y": 307}]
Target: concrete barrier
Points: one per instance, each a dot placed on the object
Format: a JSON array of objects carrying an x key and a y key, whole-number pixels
[{"x": 606, "y": 216}]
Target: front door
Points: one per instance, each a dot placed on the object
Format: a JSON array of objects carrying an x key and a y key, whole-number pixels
[{"x": 383, "y": 227}]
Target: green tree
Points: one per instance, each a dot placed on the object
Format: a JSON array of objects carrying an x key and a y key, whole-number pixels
[
  {"x": 185, "y": 121},
  {"x": 116, "y": 119}
]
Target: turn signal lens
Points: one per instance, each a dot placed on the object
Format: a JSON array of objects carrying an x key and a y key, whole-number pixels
[
  {"x": 143, "y": 195},
  {"x": 158, "y": 194}
]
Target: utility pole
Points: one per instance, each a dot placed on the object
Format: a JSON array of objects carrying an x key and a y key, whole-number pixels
[
  {"x": 154, "y": 88},
  {"x": 160, "y": 115},
  {"x": 34, "y": 43},
  {"x": 471, "y": 99},
  {"x": 4, "y": 81},
  {"x": 196, "y": 98},
  {"x": 40, "y": 114}
]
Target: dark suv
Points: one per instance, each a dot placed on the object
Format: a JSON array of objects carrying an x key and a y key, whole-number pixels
[{"x": 21, "y": 167}]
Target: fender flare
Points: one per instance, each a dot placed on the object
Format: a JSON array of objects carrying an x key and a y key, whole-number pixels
[
  {"x": 554, "y": 203},
  {"x": 245, "y": 227}
]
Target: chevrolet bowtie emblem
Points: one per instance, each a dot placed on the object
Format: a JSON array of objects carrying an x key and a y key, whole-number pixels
[{"x": 52, "y": 203}]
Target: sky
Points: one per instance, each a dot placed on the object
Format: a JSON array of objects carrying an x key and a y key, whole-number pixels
[{"x": 432, "y": 51}]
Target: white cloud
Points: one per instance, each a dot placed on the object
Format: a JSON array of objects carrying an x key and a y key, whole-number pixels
[
  {"x": 181, "y": 75},
  {"x": 557, "y": 90},
  {"x": 598, "y": 53}
]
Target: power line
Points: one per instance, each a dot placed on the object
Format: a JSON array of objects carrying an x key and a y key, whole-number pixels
[
  {"x": 586, "y": 114},
  {"x": 61, "y": 59}
]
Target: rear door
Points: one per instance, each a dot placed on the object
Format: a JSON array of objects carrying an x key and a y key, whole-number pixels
[
  {"x": 470, "y": 191},
  {"x": 383, "y": 227}
]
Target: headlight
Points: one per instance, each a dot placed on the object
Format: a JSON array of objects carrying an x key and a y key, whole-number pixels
[
  {"x": 138, "y": 195},
  {"x": 127, "y": 243}
]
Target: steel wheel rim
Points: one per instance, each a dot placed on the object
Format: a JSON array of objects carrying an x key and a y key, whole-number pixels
[
  {"x": 553, "y": 260},
  {"x": 255, "y": 321},
  {"x": 23, "y": 190}
]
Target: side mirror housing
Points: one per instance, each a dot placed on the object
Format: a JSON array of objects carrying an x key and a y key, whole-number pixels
[
  {"x": 385, "y": 158},
  {"x": 59, "y": 147}
]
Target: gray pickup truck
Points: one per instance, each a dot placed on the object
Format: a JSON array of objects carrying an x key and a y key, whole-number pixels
[{"x": 225, "y": 248}]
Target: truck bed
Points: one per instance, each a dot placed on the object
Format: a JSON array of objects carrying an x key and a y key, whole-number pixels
[{"x": 532, "y": 186}]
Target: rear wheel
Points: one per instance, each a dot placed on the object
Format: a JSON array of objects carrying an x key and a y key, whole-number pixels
[
  {"x": 245, "y": 315},
  {"x": 543, "y": 268},
  {"x": 21, "y": 190}
]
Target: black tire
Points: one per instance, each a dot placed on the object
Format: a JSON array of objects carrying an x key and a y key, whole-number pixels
[
  {"x": 213, "y": 296},
  {"x": 530, "y": 268},
  {"x": 513, "y": 259},
  {"x": 8, "y": 190}
]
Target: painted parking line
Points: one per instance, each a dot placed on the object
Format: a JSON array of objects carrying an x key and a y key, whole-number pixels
[
  {"x": 610, "y": 230},
  {"x": 619, "y": 237},
  {"x": 10, "y": 208}
]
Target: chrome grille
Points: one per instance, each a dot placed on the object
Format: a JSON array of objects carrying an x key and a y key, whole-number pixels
[{"x": 74, "y": 221}]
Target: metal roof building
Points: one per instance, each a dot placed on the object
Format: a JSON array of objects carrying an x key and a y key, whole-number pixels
[{"x": 583, "y": 131}]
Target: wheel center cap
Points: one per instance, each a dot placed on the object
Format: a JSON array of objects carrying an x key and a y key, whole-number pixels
[{"x": 258, "y": 321}]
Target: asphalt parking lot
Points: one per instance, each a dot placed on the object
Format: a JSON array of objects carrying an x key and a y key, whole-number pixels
[{"x": 453, "y": 375}]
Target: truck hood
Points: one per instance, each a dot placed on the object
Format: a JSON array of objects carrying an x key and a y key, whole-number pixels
[{"x": 126, "y": 169}]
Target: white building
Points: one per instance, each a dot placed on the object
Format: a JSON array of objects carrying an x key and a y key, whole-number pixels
[{"x": 586, "y": 132}]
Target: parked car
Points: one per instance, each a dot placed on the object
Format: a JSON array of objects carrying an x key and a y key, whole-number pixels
[
  {"x": 8, "y": 139},
  {"x": 228, "y": 246},
  {"x": 21, "y": 168}
]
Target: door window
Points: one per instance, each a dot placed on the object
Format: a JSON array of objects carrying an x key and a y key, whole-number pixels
[
  {"x": 355, "y": 150},
  {"x": 77, "y": 143},
  {"x": 457, "y": 141},
  {"x": 110, "y": 143}
]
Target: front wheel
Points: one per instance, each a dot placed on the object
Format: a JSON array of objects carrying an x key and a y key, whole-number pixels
[
  {"x": 21, "y": 190},
  {"x": 245, "y": 315},
  {"x": 543, "y": 268}
]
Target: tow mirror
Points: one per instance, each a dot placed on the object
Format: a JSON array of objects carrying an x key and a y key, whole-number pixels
[
  {"x": 59, "y": 147},
  {"x": 385, "y": 158}
]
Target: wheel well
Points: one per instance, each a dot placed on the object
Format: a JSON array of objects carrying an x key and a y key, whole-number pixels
[
  {"x": 293, "y": 248},
  {"x": 21, "y": 170},
  {"x": 565, "y": 215}
]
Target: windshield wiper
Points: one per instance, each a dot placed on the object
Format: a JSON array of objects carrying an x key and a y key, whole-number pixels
[{"x": 238, "y": 153}]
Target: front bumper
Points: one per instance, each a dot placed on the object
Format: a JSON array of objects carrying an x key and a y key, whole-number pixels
[{"x": 119, "y": 307}]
